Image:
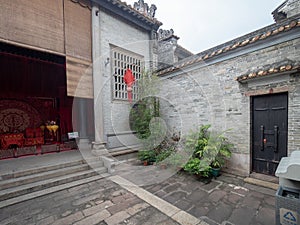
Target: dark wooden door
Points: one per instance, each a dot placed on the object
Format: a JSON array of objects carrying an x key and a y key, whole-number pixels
[{"x": 269, "y": 132}]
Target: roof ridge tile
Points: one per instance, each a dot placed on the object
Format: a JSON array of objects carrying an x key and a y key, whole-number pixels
[{"x": 285, "y": 26}]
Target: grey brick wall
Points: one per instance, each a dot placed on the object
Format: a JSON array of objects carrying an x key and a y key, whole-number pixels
[
  {"x": 292, "y": 8},
  {"x": 166, "y": 53},
  {"x": 209, "y": 94},
  {"x": 117, "y": 32}
]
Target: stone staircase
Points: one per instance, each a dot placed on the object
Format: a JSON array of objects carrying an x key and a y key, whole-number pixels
[{"x": 27, "y": 184}]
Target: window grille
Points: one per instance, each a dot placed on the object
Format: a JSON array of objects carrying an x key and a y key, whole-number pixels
[{"x": 121, "y": 60}]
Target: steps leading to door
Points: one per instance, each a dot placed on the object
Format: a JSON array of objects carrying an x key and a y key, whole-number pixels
[{"x": 23, "y": 185}]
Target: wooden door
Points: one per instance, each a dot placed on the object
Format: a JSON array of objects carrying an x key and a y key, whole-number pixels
[{"x": 269, "y": 131}]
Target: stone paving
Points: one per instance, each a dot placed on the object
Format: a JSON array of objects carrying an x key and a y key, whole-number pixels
[
  {"x": 101, "y": 202},
  {"x": 179, "y": 199},
  {"x": 225, "y": 200}
]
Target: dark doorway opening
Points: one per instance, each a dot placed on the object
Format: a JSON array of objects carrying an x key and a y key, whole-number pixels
[{"x": 33, "y": 95}]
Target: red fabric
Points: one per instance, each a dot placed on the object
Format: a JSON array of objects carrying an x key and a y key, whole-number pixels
[
  {"x": 29, "y": 132},
  {"x": 66, "y": 123},
  {"x": 11, "y": 139},
  {"x": 16, "y": 115},
  {"x": 128, "y": 77},
  {"x": 34, "y": 77},
  {"x": 34, "y": 136},
  {"x": 129, "y": 80},
  {"x": 34, "y": 141},
  {"x": 130, "y": 96},
  {"x": 38, "y": 132},
  {"x": 34, "y": 80}
]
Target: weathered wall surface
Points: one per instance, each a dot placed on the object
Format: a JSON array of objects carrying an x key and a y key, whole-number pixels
[
  {"x": 166, "y": 50},
  {"x": 116, "y": 32},
  {"x": 207, "y": 93}
]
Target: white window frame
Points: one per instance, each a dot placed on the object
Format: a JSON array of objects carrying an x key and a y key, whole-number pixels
[{"x": 120, "y": 59}]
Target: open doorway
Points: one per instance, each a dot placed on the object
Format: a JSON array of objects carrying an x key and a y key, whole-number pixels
[{"x": 35, "y": 111}]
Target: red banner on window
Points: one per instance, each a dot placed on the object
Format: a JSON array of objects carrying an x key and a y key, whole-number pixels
[{"x": 129, "y": 80}]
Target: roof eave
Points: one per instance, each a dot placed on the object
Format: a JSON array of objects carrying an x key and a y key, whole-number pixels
[
  {"x": 125, "y": 11},
  {"x": 237, "y": 44}
]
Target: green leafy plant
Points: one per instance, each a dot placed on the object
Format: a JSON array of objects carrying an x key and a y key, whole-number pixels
[
  {"x": 140, "y": 117},
  {"x": 202, "y": 141},
  {"x": 198, "y": 167},
  {"x": 208, "y": 149},
  {"x": 193, "y": 166},
  {"x": 175, "y": 160},
  {"x": 147, "y": 155},
  {"x": 164, "y": 154},
  {"x": 146, "y": 108},
  {"x": 218, "y": 150}
]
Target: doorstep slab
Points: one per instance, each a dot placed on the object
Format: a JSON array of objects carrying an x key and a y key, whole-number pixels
[{"x": 261, "y": 183}]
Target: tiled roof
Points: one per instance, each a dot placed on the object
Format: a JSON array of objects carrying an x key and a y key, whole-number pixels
[
  {"x": 83, "y": 3},
  {"x": 123, "y": 7},
  {"x": 275, "y": 69},
  {"x": 288, "y": 25},
  {"x": 134, "y": 12}
]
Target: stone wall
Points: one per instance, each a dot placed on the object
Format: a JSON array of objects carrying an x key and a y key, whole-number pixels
[
  {"x": 292, "y": 8},
  {"x": 166, "y": 52},
  {"x": 116, "y": 32},
  {"x": 207, "y": 93}
]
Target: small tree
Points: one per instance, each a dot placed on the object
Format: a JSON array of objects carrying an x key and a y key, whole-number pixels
[
  {"x": 147, "y": 107},
  {"x": 144, "y": 115}
]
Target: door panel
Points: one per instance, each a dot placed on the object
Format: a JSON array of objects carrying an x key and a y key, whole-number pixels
[{"x": 269, "y": 132}]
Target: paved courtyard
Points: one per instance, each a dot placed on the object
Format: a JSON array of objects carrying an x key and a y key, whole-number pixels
[
  {"x": 100, "y": 202},
  {"x": 226, "y": 200},
  {"x": 180, "y": 199}
]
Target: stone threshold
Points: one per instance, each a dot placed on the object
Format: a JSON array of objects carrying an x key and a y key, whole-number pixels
[{"x": 262, "y": 183}]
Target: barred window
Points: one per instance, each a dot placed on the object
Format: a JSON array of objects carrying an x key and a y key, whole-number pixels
[{"x": 121, "y": 60}]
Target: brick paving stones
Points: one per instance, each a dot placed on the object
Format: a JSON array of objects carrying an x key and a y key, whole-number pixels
[
  {"x": 100, "y": 202},
  {"x": 180, "y": 199},
  {"x": 226, "y": 200}
]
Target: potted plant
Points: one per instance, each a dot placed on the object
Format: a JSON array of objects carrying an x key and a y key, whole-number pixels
[
  {"x": 208, "y": 150},
  {"x": 197, "y": 167},
  {"x": 217, "y": 150},
  {"x": 147, "y": 156}
]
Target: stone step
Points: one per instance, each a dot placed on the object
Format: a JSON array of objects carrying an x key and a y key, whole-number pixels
[
  {"x": 44, "y": 184},
  {"x": 39, "y": 176},
  {"x": 261, "y": 183},
  {"x": 96, "y": 165},
  {"x": 16, "y": 174},
  {"x": 124, "y": 155},
  {"x": 50, "y": 190},
  {"x": 94, "y": 161}
]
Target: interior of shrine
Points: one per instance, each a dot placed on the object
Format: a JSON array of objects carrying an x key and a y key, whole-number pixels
[{"x": 35, "y": 111}]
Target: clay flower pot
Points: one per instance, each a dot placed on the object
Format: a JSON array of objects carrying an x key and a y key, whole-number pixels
[{"x": 163, "y": 166}]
